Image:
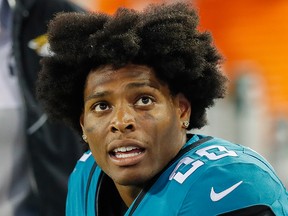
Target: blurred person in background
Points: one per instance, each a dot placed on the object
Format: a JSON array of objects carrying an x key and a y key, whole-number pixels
[
  {"x": 134, "y": 85},
  {"x": 36, "y": 156}
]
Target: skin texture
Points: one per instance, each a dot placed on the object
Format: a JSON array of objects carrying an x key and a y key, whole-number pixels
[{"x": 130, "y": 107}]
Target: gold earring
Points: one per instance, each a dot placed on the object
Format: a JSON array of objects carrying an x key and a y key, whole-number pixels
[
  {"x": 186, "y": 124},
  {"x": 84, "y": 137}
]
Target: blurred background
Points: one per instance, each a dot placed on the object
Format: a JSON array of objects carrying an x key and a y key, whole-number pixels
[{"x": 252, "y": 36}]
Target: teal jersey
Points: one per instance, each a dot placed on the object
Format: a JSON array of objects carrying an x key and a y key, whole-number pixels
[{"x": 209, "y": 176}]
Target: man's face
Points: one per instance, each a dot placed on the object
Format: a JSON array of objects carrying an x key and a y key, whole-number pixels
[{"x": 133, "y": 124}]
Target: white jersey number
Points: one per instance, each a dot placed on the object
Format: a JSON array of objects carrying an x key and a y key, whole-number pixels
[{"x": 211, "y": 152}]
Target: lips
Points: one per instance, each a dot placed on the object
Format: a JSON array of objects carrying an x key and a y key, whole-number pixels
[{"x": 126, "y": 152}]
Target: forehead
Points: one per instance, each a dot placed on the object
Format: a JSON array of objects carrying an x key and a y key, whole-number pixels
[{"x": 130, "y": 73}]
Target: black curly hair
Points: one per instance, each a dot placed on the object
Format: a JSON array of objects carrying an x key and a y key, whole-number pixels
[{"x": 163, "y": 37}]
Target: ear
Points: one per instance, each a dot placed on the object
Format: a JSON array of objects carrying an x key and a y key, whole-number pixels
[{"x": 184, "y": 107}]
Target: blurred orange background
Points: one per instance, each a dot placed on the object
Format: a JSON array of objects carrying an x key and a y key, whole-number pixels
[{"x": 254, "y": 31}]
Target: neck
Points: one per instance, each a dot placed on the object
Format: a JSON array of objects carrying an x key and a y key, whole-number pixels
[{"x": 128, "y": 193}]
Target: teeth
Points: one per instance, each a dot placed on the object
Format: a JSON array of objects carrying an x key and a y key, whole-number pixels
[
  {"x": 127, "y": 155},
  {"x": 124, "y": 149}
]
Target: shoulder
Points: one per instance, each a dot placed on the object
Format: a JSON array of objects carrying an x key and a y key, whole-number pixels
[
  {"x": 215, "y": 154},
  {"x": 78, "y": 182},
  {"x": 221, "y": 176},
  {"x": 82, "y": 170}
]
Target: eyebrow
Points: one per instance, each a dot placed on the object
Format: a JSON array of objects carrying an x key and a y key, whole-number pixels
[
  {"x": 143, "y": 84},
  {"x": 97, "y": 95},
  {"x": 128, "y": 87}
]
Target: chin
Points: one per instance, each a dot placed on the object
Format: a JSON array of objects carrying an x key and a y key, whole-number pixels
[{"x": 132, "y": 180}]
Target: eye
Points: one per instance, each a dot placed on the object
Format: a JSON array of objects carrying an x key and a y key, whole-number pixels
[
  {"x": 101, "y": 106},
  {"x": 144, "y": 101}
]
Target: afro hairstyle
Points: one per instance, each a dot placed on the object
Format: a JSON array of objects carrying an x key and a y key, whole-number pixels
[{"x": 163, "y": 37}]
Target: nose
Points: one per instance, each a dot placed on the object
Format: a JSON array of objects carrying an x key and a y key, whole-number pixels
[{"x": 123, "y": 120}]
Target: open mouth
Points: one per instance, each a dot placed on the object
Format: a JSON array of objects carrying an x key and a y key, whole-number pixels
[{"x": 126, "y": 152}]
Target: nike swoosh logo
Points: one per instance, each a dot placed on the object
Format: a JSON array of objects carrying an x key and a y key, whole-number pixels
[{"x": 218, "y": 196}]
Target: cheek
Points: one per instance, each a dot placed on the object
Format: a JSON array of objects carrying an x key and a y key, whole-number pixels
[
  {"x": 160, "y": 123},
  {"x": 94, "y": 145},
  {"x": 151, "y": 123},
  {"x": 95, "y": 126},
  {"x": 90, "y": 124},
  {"x": 166, "y": 117},
  {"x": 168, "y": 127},
  {"x": 99, "y": 156},
  {"x": 95, "y": 131}
]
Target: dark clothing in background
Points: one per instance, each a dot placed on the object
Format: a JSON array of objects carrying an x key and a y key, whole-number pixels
[{"x": 53, "y": 148}]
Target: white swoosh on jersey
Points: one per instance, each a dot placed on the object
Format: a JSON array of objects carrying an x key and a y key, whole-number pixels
[{"x": 218, "y": 196}]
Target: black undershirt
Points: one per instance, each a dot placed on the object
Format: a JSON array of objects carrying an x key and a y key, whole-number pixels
[{"x": 109, "y": 200}]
